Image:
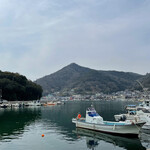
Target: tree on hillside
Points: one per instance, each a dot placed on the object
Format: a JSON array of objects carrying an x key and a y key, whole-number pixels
[{"x": 17, "y": 87}]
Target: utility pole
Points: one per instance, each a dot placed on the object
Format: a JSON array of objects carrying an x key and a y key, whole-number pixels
[{"x": 144, "y": 89}]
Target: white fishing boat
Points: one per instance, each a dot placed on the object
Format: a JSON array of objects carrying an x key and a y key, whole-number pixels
[
  {"x": 34, "y": 103},
  {"x": 144, "y": 116},
  {"x": 60, "y": 103},
  {"x": 16, "y": 105},
  {"x": 145, "y": 105},
  {"x": 94, "y": 121},
  {"x": 136, "y": 113},
  {"x": 3, "y": 105},
  {"x": 129, "y": 115}
]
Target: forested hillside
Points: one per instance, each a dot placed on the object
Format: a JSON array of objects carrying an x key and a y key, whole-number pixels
[{"x": 14, "y": 86}]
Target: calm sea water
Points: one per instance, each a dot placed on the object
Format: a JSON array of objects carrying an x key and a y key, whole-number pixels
[{"x": 21, "y": 129}]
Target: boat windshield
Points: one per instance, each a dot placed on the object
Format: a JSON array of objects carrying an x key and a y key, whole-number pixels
[
  {"x": 130, "y": 106},
  {"x": 93, "y": 114},
  {"x": 90, "y": 109},
  {"x": 131, "y": 112}
]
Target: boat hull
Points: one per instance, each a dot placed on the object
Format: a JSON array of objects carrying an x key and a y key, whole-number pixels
[
  {"x": 130, "y": 130},
  {"x": 146, "y": 126}
]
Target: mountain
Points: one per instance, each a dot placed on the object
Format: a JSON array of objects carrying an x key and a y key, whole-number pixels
[{"x": 84, "y": 80}]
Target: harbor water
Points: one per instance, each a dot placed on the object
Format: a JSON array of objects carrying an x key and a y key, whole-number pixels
[{"x": 45, "y": 128}]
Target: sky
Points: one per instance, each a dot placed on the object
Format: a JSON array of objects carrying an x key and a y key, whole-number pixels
[{"x": 39, "y": 37}]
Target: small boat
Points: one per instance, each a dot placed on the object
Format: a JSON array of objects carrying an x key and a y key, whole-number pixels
[
  {"x": 34, "y": 103},
  {"x": 60, "y": 103},
  {"x": 129, "y": 115},
  {"x": 44, "y": 104},
  {"x": 94, "y": 121},
  {"x": 135, "y": 113},
  {"x": 3, "y": 105},
  {"x": 51, "y": 103},
  {"x": 16, "y": 105}
]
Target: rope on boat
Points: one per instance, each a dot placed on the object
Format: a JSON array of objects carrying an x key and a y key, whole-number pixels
[
  {"x": 132, "y": 122},
  {"x": 137, "y": 126}
]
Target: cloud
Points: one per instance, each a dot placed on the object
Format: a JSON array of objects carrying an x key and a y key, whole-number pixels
[{"x": 40, "y": 37}]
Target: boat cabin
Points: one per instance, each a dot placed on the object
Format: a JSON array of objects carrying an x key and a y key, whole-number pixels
[
  {"x": 131, "y": 109},
  {"x": 92, "y": 116}
]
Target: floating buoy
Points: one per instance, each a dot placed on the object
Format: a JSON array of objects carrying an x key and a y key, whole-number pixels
[
  {"x": 42, "y": 135},
  {"x": 79, "y": 116}
]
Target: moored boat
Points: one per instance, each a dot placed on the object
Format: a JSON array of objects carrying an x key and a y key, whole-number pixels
[
  {"x": 34, "y": 103},
  {"x": 51, "y": 103},
  {"x": 94, "y": 121},
  {"x": 3, "y": 105},
  {"x": 145, "y": 105},
  {"x": 135, "y": 113},
  {"x": 129, "y": 115},
  {"x": 16, "y": 105}
]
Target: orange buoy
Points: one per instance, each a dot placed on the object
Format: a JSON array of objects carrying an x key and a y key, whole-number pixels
[
  {"x": 79, "y": 116},
  {"x": 42, "y": 135}
]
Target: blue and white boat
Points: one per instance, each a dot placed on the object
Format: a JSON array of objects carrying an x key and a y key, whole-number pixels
[{"x": 94, "y": 121}]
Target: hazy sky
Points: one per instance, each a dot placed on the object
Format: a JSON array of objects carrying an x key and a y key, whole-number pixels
[{"x": 39, "y": 37}]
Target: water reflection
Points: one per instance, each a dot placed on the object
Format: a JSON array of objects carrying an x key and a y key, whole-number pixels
[
  {"x": 55, "y": 123},
  {"x": 145, "y": 138},
  {"x": 58, "y": 119},
  {"x": 93, "y": 139},
  {"x": 91, "y": 143},
  {"x": 13, "y": 121}
]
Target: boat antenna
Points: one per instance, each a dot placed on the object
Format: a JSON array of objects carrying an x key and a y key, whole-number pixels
[
  {"x": 92, "y": 105},
  {"x": 144, "y": 89}
]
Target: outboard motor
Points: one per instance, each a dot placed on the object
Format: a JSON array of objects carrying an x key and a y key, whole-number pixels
[{"x": 123, "y": 118}]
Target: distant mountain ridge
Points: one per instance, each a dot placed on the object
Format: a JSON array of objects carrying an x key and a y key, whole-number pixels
[{"x": 84, "y": 80}]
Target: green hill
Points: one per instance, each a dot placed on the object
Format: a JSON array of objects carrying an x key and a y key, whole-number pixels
[
  {"x": 14, "y": 86},
  {"x": 84, "y": 80}
]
